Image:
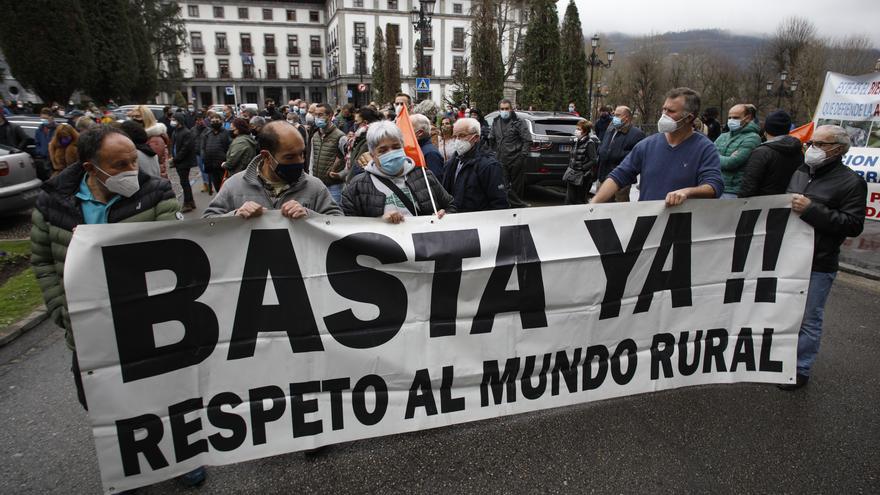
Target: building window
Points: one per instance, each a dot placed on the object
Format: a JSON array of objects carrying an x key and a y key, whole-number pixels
[
  {"x": 317, "y": 97},
  {"x": 269, "y": 43},
  {"x": 199, "y": 68},
  {"x": 243, "y": 13},
  {"x": 392, "y": 34},
  {"x": 223, "y": 66},
  {"x": 294, "y": 70},
  {"x": 267, "y": 14},
  {"x": 360, "y": 34},
  {"x": 315, "y": 46},
  {"x": 429, "y": 39},
  {"x": 271, "y": 70},
  {"x": 316, "y": 70},
  {"x": 220, "y": 45},
  {"x": 359, "y": 3},
  {"x": 314, "y": 16},
  {"x": 195, "y": 42},
  {"x": 246, "y": 43},
  {"x": 219, "y": 13},
  {"x": 192, "y": 10},
  {"x": 291, "y": 15},
  {"x": 458, "y": 65},
  {"x": 456, "y": 8},
  {"x": 392, "y": 4},
  {"x": 247, "y": 71},
  {"x": 458, "y": 38},
  {"x": 292, "y": 44},
  {"x": 429, "y": 65}
]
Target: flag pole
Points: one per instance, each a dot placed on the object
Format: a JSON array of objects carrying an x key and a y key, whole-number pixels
[{"x": 430, "y": 194}]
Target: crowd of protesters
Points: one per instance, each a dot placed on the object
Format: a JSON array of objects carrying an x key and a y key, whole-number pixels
[{"x": 305, "y": 159}]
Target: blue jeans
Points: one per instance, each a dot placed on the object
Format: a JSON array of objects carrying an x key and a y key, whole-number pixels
[
  {"x": 335, "y": 192},
  {"x": 206, "y": 178},
  {"x": 811, "y": 327}
]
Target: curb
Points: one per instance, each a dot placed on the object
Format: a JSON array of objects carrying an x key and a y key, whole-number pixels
[
  {"x": 860, "y": 271},
  {"x": 18, "y": 328}
]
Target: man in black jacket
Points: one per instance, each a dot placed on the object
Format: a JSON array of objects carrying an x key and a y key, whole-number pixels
[
  {"x": 473, "y": 175},
  {"x": 620, "y": 138},
  {"x": 12, "y": 134},
  {"x": 510, "y": 139},
  {"x": 215, "y": 143},
  {"x": 183, "y": 154},
  {"x": 771, "y": 165},
  {"x": 831, "y": 197}
]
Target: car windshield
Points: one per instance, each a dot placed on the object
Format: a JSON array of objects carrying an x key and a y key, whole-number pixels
[{"x": 555, "y": 127}]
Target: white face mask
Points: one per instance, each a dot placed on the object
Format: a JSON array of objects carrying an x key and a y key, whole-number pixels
[
  {"x": 461, "y": 146},
  {"x": 578, "y": 134},
  {"x": 668, "y": 124},
  {"x": 124, "y": 183},
  {"x": 815, "y": 157},
  {"x": 398, "y": 108}
]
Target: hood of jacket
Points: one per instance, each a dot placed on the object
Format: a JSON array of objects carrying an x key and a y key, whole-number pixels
[
  {"x": 156, "y": 129},
  {"x": 787, "y": 145}
]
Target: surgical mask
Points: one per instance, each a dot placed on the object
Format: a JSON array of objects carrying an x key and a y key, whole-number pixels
[
  {"x": 392, "y": 162},
  {"x": 616, "y": 121},
  {"x": 291, "y": 122},
  {"x": 320, "y": 122},
  {"x": 44, "y": 121},
  {"x": 734, "y": 124},
  {"x": 173, "y": 124},
  {"x": 668, "y": 124},
  {"x": 578, "y": 134},
  {"x": 815, "y": 157},
  {"x": 461, "y": 146},
  {"x": 505, "y": 114},
  {"x": 398, "y": 108},
  {"x": 571, "y": 108},
  {"x": 124, "y": 183},
  {"x": 288, "y": 172}
]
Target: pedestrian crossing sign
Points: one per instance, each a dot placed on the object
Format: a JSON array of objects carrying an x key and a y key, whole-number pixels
[{"x": 423, "y": 85}]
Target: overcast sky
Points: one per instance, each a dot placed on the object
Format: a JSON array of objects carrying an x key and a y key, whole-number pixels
[{"x": 833, "y": 18}]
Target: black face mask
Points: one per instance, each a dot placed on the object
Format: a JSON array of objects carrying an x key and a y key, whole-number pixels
[
  {"x": 289, "y": 172},
  {"x": 216, "y": 125}
]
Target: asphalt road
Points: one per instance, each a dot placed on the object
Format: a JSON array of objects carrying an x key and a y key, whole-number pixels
[{"x": 721, "y": 438}]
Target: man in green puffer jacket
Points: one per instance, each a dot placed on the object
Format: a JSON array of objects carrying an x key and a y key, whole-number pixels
[
  {"x": 104, "y": 186},
  {"x": 735, "y": 146}
]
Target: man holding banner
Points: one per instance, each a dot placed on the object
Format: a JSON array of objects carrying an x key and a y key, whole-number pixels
[{"x": 832, "y": 198}]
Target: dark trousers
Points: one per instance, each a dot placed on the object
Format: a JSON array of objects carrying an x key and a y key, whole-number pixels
[
  {"x": 516, "y": 182},
  {"x": 216, "y": 177},
  {"x": 183, "y": 174},
  {"x": 576, "y": 195}
]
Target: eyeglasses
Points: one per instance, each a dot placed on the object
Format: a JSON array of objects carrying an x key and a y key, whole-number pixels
[
  {"x": 820, "y": 143},
  {"x": 464, "y": 136}
]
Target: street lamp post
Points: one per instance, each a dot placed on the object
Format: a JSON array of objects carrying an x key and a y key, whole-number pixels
[
  {"x": 360, "y": 44},
  {"x": 782, "y": 91},
  {"x": 421, "y": 21},
  {"x": 594, "y": 62}
]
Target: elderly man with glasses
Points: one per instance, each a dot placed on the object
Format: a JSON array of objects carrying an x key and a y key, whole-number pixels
[{"x": 831, "y": 197}]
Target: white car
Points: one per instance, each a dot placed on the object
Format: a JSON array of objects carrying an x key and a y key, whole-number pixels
[{"x": 19, "y": 185}]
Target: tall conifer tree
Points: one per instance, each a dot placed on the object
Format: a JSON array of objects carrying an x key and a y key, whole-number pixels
[
  {"x": 487, "y": 70},
  {"x": 542, "y": 86},
  {"x": 378, "y": 71},
  {"x": 574, "y": 61}
]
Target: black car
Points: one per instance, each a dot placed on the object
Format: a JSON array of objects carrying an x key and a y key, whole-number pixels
[{"x": 552, "y": 138}]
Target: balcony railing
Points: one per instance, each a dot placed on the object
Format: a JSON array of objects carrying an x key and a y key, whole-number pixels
[
  {"x": 458, "y": 45},
  {"x": 360, "y": 40},
  {"x": 295, "y": 76},
  {"x": 270, "y": 50},
  {"x": 198, "y": 49},
  {"x": 429, "y": 43},
  {"x": 221, "y": 50},
  {"x": 247, "y": 50},
  {"x": 200, "y": 74},
  {"x": 316, "y": 51},
  {"x": 225, "y": 74},
  {"x": 293, "y": 51},
  {"x": 317, "y": 75},
  {"x": 271, "y": 75}
]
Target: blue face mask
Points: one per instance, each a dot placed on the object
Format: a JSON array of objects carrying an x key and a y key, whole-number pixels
[
  {"x": 505, "y": 114},
  {"x": 320, "y": 123},
  {"x": 734, "y": 124},
  {"x": 616, "y": 121},
  {"x": 392, "y": 162}
]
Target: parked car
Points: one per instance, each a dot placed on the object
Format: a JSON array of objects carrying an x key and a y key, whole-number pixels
[
  {"x": 29, "y": 124},
  {"x": 121, "y": 113},
  {"x": 552, "y": 138},
  {"x": 19, "y": 185}
]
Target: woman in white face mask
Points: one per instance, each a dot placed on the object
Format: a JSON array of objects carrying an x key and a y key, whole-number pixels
[{"x": 393, "y": 187}]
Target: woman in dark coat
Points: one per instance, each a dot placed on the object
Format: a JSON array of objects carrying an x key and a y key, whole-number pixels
[{"x": 582, "y": 158}]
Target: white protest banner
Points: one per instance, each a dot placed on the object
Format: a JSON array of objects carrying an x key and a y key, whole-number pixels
[
  {"x": 217, "y": 341},
  {"x": 853, "y": 102}
]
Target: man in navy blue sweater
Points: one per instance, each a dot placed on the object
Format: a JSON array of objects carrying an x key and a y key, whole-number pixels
[{"x": 675, "y": 164}]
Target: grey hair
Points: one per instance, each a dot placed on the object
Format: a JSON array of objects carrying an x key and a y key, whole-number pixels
[
  {"x": 839, "y": 134},
  {"x": 420, "y": 123},
  {"x": 257, "y": 121},
  {"x": 380, "y": 131},
  {"x": 427, "y": 108},
  {"x": 691, "y": 99},
  {"x": 473, "y": 125}
]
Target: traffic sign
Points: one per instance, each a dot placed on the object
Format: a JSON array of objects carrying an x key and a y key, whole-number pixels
[
  {"x": 362, "y": 88},
  {"x": 423, "y": 85},
  {"x": 230, "y": 90}
]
